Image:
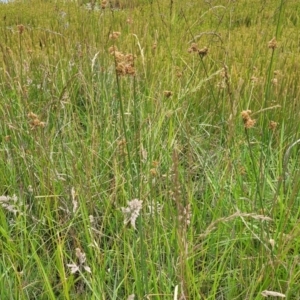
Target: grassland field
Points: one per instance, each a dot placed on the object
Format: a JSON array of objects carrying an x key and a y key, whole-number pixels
[{"x": 149, "y": 149}]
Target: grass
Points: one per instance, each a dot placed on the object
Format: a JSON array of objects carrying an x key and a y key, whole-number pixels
[{"x": 86, "y": 130}]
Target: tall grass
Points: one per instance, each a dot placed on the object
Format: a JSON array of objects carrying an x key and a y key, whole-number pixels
[{"x": 93, "y": 121}]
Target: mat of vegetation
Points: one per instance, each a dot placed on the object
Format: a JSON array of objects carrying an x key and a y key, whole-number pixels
[{"x": 149, "y": 149}]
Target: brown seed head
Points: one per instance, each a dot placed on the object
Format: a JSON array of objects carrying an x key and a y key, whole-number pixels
[
  {"x": 202, "y": 52},
  {"x": 274, "y": 81},
  {"x": 21, "y": 28},
  {"x": 273, "y": 43},
  {"x": 248, "y": 122},
  {"x": 112, "y": 49},
  {"x": 32, "y": 116},
  {"x": 193, "y": 48},
  {"x": 273, "y": 125},
  {"x": 168, "y": 94},
  {"x": 114, "y": 35},
  {"x": 103, "y": 4}
]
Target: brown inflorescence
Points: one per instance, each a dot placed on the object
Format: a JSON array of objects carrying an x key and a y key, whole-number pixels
[
  {"x": 273, "y": 125},
  {"x": 34, "y": 121},
  {"x": 124, "y": 62},
  {"x": 168, "y": 94},
  {"x": 114, "y": 35},
  {"x": 21, "y": 28},
  {"x": 273, "y": 43},
  {"x": 248, "y": 122}
]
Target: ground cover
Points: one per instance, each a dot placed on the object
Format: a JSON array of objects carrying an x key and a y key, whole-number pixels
[{"x": 149, "y": 149}]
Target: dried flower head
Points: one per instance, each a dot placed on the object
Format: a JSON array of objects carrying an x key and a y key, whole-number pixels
[
  {"x": 124, "y": 62},
  {"x": 103, "y": 4},
  {"x": 193, "y": 48},
  {"x": 34, "y": 121},
  {"x": 81, "y": 256},
  {"x": 112, "y": 49},
  {"x": 129, "y": 21},
  {"x": 10, "y": 204},
  {"x": 274, "y": 81},
  {"x": 254, "y": 79},
  {"x": 179, "y": 73},
  {"x": 114, "y": 35},
  {"x": 168, "y": 94},
  {"x": 273, "y": 43},
  {"x": 132, "y": 211},
  {"x": 273, "y": 125},
  {"x": 248, "y": 122},
  {"x": 21, "y": 28},
  {"x": 202, "y": 52}
]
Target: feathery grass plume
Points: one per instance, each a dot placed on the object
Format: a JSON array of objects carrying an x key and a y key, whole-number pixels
[
  {"x": 273, "y": 43},
  {"x": 81, "y": 257},
  {"x": 74, "y": 200},
  {"x": 186, "y": 215},
  {"x": 132, "y": 211},
  {"x": 248, "y": 122},
  {"x": 272, "y": 294},
  {"x": 10, "y": 204}
]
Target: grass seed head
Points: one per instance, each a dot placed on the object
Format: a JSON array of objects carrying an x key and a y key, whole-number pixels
[
  {"x": 193, "y": 48},
  {"x": 103, "y": 4},
  {"x": 273, "y": 125},
  {"x": 132, "y": 211},
  {"x": 168, "y": 94},
  {"x": 114, "y": 35},
  {"x": 203, "y": 52},
  {"x": 272, "y": 44},
  {"x": 248, "y": 122},
  {"x": 21, "y": 28}
]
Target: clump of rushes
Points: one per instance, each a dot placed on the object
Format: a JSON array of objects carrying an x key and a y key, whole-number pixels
[
  {"x": 248, "y": 122},
  {"x": 124, "y": 62}
]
